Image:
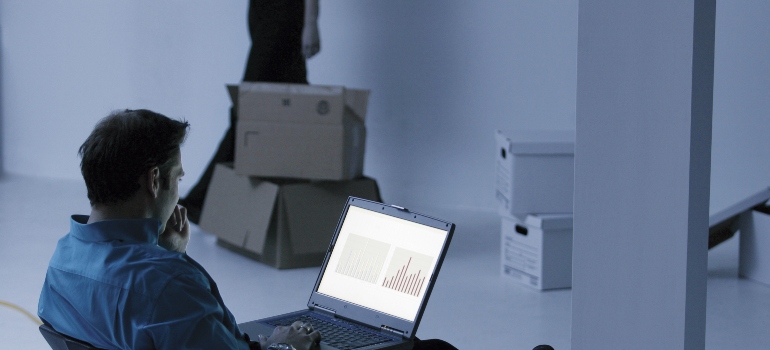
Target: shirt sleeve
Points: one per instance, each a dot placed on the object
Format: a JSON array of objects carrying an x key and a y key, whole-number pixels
[{"x": 186, "y": 315}]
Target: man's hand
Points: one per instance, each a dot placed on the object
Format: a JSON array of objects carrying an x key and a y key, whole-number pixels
[
  {"x": 300, "y": 335},
  {"x": 311, "y": 40},
  {"x": 177, "y": 232}
]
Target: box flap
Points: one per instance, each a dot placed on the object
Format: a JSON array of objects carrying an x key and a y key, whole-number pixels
[
  {"x": 299, "y": 103},
  {"x": 540, "y": 141},
  {"x": 291, "y": 103},
  {"x": 358, "y": 101},
  {"x": 549, "y": 222},
  {"x": 313, "y": 210},
  {"x": 238, "y": 208},
  {"x": 297, "y": 89},
  {"x": 232, "y": 90}
]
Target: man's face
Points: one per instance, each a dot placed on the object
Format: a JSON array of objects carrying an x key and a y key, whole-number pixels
[{"x": 168, "y": 192}]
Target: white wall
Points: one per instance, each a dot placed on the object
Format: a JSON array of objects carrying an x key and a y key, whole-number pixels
[
  {"x": 66, "y": 64},
  {"x": 443, "y": 75},
  {"x": 740, "y": 152}
]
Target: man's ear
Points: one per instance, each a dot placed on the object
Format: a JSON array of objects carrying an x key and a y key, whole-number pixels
[{"x": 153, "y": 181}]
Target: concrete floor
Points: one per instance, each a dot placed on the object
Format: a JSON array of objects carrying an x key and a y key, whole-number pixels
[{"x": 471, "y": 306}]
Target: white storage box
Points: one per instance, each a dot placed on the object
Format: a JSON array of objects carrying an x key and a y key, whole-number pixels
[
  {"x": 754, "y": 253},
  {"x": 537, "y": 250},
  {"x": 535, "y": 172}
]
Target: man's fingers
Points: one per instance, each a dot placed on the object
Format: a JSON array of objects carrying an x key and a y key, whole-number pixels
[
  {"x": 297, "y": 325},
  {"x": 178, "y": 218},
  {"x": 279, "y": 329},
  {"x": 183, "y": 215},
  {"x": 310, "y": 50},
  {"x": 315, "y": 336}
]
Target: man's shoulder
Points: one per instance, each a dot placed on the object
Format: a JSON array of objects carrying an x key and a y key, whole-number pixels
[
  {"x": 154, "y": 270},
  {"x": 140, "y": 267}
]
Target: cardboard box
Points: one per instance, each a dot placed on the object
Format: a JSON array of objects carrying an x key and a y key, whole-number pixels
[
  {"x": 300, "y": 131},
  {"x": 535, "y": 172},
  {"x": 282, "y": 223},
  {"x": 754, "y": 256},
  {"x": 537, "y": 250}
]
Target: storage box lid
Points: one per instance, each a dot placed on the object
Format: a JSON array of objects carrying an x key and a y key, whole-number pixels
[
  {"x": 548, "y": 222},
  {"x": 736, "y": 209},
  {"x": 537, "y": 141},
  {"x": 278, "y": 102}
]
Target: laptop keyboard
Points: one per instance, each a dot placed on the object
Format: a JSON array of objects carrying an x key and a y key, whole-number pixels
[{"x": 336, "y": 335}]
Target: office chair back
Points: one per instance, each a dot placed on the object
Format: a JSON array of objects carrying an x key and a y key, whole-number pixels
[{"x": 59, "y": 341}]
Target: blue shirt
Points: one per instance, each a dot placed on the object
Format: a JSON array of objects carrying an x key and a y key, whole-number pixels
[{"x": 110, "y": 284}]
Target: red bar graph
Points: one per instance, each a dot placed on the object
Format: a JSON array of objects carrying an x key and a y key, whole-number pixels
[{"x": 407, "y": 272}]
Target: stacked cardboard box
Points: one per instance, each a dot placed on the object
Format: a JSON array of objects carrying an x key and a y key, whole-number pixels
[
  {"x": 298, "y": 156},
  {"x": 300, "y": 131},
  {"x": 534, "y": 191}
]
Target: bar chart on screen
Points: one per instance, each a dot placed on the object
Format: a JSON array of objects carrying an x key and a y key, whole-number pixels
[
  {"x": 362, "y": 258},
  {"x": 407, "y": 272}
]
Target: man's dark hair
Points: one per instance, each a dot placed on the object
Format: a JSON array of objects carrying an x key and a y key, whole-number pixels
[{"x": 122, "y": 147}]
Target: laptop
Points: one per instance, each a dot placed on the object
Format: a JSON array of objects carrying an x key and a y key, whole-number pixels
[{"x": 375, "y": 281}]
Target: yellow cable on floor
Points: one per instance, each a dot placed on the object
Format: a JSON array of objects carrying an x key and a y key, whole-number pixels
[{"x": 19, "y": 309}]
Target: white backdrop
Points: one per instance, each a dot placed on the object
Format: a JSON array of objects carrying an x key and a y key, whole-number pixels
[{"x": 444, "y": 75}]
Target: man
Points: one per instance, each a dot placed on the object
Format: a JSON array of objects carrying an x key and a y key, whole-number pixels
[
  {"x": 121, "y": 278},
  {"x": 284, "y": 33}
]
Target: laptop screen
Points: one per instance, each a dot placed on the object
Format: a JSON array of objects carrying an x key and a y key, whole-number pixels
[{"x": 382, "y": 262}]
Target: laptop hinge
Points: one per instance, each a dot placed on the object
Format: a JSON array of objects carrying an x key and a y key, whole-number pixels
[
  {"x": 323, "y": 310},
  {"x": 396, "y": 332}
]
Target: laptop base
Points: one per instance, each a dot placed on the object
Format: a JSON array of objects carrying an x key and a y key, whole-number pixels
[{"x": 254, "y": 328}]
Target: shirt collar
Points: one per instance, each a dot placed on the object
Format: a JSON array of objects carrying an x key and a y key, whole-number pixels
[{"x": 132, "y": 230}]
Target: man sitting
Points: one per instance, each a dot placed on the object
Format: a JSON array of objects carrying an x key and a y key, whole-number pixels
[{"x": 121, "y": 279}]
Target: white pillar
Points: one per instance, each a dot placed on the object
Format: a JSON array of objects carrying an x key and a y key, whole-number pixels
[{"x": 642, "y": 170}]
